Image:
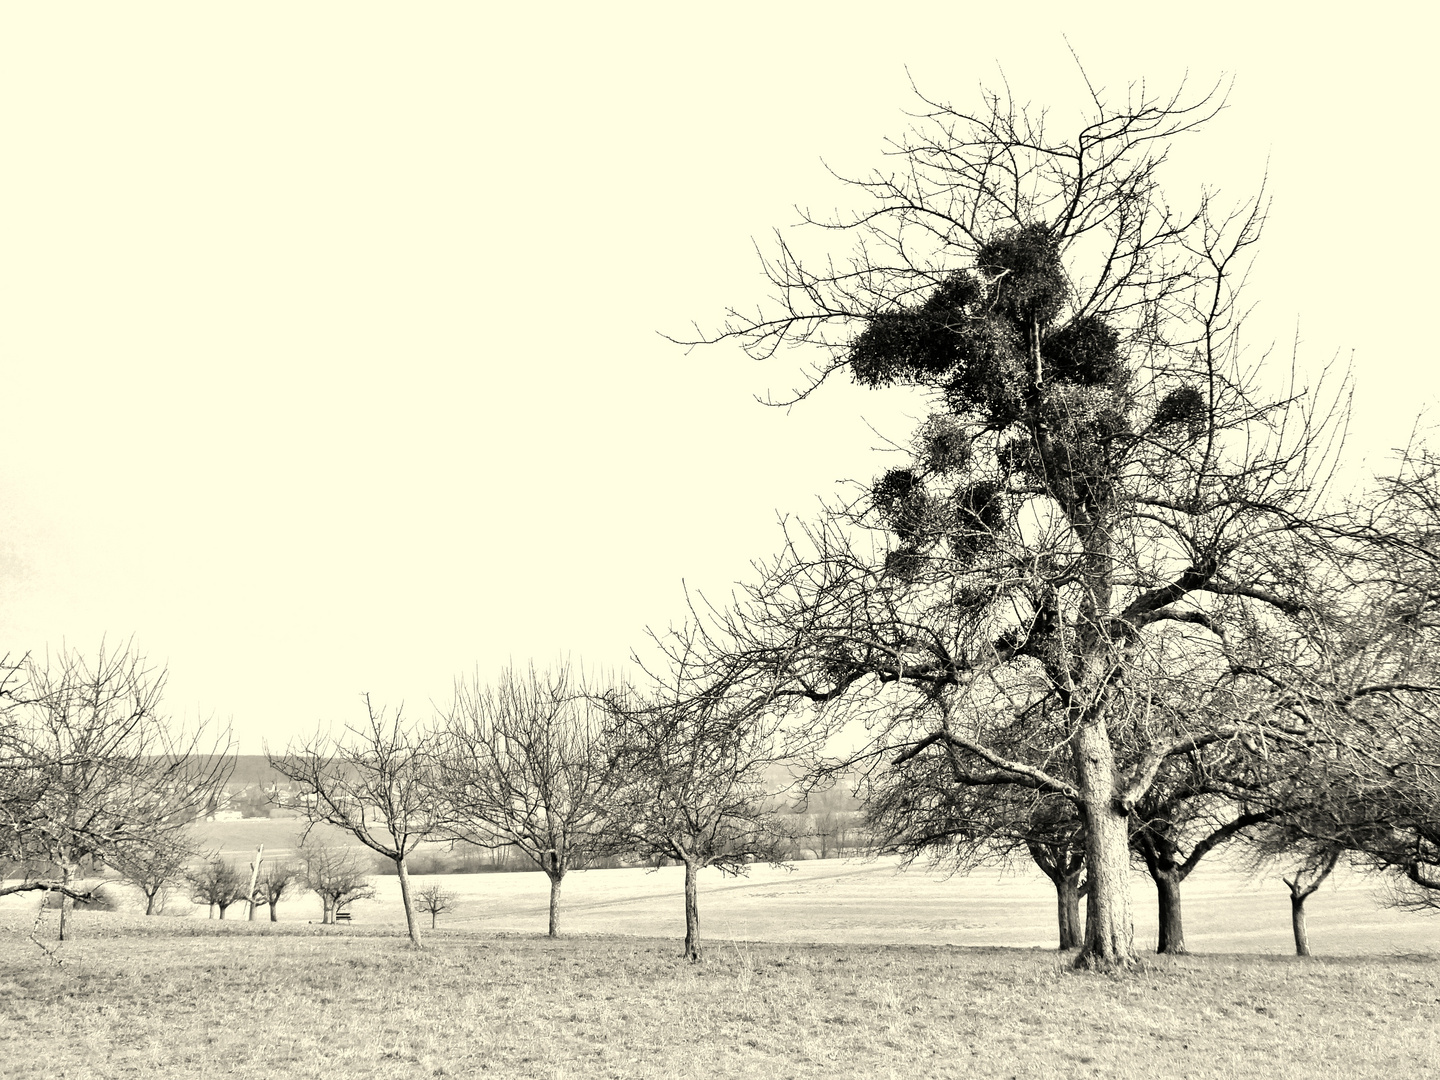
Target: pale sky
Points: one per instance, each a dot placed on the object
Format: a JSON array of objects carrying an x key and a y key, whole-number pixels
[{"x": 329, "y": 334}]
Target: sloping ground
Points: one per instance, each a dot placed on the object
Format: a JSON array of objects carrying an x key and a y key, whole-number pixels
[
  {"x": 876, "y": 902},
  {"x": 843, "y": 901}
]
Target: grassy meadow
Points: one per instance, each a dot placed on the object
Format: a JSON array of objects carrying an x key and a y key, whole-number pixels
[{"x": 834, "y": 969}]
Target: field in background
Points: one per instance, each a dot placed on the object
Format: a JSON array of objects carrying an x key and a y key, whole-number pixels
[{"x": 844, "y": 901}]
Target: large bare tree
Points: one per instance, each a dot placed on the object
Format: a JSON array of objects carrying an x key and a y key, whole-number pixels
[
  {"x": 377, "y": 782},
  {"x": 93, "y": 767},
  {"x": 1104, "y": 500},
  {"x": 525, "y": 766}
]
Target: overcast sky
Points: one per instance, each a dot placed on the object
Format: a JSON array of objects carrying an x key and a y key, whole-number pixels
[{"x": 329, "y": 335}]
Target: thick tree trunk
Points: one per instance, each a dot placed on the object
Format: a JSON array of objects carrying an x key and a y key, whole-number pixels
[
  {"x": 273, "y": 905},
  {"x": 1109, "y": 926},
  {"x": 556, "y": 877},
  {"x": 1297, "y": 922},
  {"x": 1172, "y": 930},
  {"x": 251, "y": 917},
  {"x": 327, "y": 912},
  {"x": 692, "y": 913},
  {"x": 212, "y": 909},
  {"x": 403, "y": 873},
  {"x": 1067, "y": 899},
  {"x": 150, "y": 903}
]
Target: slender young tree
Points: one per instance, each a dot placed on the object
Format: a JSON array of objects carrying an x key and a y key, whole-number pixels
[
  {"x": 690, "y": 760},
  {"x": 435, "y": 901},
  {"x": 1101, "y": 481},
  {"x": 525, "y": 766},
  {"x": 377, "y": 782}
]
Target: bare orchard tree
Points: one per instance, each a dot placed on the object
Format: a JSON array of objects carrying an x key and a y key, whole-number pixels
[
  {"x": 97, "y": 768},
  {"x": 525, "y": 767},
  {"x": 218, "y": 883},
  {"x": 435, "y": 901},
  {"x": 1381, "y": 794},
  {"x": 916, "y": 809},
  {"x": 377, "y": 782},
  {"x": 336, "y": 874},
  {"x": 153, "y": 868},
  {"x": 691, "y": 757},
  {"x": 1102, "y": 480},
  {"x": 277, "y": 880}
]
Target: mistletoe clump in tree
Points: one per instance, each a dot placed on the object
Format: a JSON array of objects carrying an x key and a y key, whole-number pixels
[{"x": 1103, "y": 511}]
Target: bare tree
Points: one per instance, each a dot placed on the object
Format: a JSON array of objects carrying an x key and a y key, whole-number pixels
[
  {"x": 436, "y": 901},
  {"x": 336, "y": 875},
  {"x": 277, "y": 880},
  {"x": 153, "y": 868},
  {"x": 525, "y": 766},
  {"x": 96, "y": 767},
  {"x": 691, "y": 758},
  {"x": 218, "y": 883},
  {"x": 916, "y": 808},
  {"x": 377, "y": 783},
  {"x": 1103, "y": 491},
  {"x": 1380, "y": 796}
]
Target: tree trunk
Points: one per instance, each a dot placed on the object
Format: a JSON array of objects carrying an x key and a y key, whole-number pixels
[
  {"x": 692, "y": 913},
  {"x": 1067, "y": 900},
  {"x": 1109, "y": 927},
  {"x": 212, "y": 909},
  {"x": 273, "y": 905},
  {"x": 1297, "y": 922},
  {"x": 403, "y": 873},
  {"x": 1172, "y": 930},
  {"x": 327, "y": 910},
  {"x": 1300, "y": 891},
  {"x": 252, "y": 911},
  {"x": 64, "y": 900},
  {"x": 556, "y": 877},
  {"x": 1064, "y": 867},
  {"x": 150, "y": 903}
]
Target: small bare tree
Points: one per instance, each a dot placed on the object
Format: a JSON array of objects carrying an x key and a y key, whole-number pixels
[
  {"x": 277, "y": 880},
  {"x": 153, "y": 868},
  {"x": 436, "y": 901},
  {"x": 691, "y": 759},
  {"x": 525, "y": 766},
  {"x": 218, "y": 883},
  {"x": 336, "y": 875},
  {"x": 377, "y": 782}
]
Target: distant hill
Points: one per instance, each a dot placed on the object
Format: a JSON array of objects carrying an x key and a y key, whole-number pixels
[{"x": 253, "y": 769}]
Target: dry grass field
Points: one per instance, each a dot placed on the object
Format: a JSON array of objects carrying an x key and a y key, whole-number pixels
[{"x": 831, "y": 970}]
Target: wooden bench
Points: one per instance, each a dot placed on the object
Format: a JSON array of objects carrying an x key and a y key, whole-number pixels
[{"x": 342, "y": 916}]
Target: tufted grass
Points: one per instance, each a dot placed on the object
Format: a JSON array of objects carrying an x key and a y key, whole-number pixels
[{"x": 167, "y": 997}]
